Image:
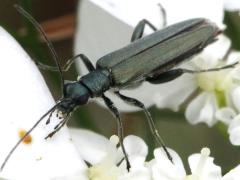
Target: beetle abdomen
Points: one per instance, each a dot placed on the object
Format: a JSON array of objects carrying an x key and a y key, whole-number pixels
[{"x": 164, "y": 55}]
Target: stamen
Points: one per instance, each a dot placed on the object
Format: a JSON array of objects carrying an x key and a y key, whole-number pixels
[{"x": 205, "y": 152}]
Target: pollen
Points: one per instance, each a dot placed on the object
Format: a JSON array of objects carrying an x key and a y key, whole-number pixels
[{"x": 27, "y": 139}]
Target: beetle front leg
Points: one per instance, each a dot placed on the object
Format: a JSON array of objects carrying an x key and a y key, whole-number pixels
[
  {"x": 116, "y": 113},
  {"x": 151, "y": 123}
]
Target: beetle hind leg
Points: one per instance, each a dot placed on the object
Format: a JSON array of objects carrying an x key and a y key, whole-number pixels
[
  {"x": 151, "y": 123},
  {"x": 116, "y": 113},
  {"x": 159, "y": 78}
]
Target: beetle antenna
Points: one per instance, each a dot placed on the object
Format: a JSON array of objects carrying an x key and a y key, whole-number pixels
[
  {"x": 27, "y": 133},
  {"x": 48, "y": 42}
]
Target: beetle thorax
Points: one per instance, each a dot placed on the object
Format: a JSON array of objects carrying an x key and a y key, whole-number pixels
[
  {"x": 77, "y": 92},
  {"x": 97, "y": 82}
]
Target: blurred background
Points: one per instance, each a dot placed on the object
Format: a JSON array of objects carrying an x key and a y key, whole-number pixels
[{"x": 58, "y": 18}]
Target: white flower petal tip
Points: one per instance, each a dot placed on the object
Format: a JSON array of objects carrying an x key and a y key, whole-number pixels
[
  {"x": 225, "y": 115},
  {"x": 135, "y": 146},
  {"x": 202, "y": 109},
  {"x": 235, "y": 136},
  {"x": 234, "y": 131},
  {"x": 162, "y": 167},
  {"x": 236, "y": 97}
]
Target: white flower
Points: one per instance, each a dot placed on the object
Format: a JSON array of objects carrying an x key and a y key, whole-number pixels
[
  {"x": 107, "y": 161},
  {"x": 115, "y": 21},
  {"x": 201, "y": 165},
  {"x": 24, "y": 99},
  {"x": 215, "y": 88},
  {"x": 231, "y": 117}
]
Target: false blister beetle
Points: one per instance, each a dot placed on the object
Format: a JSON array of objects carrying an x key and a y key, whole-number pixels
[{"x": 150, "y": 58}]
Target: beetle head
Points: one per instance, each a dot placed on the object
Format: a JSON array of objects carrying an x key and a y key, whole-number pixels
[{"x": 74, "y": 94}]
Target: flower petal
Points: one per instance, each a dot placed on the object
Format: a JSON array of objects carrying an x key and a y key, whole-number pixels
[
  {"x": 202, "y": 109},
  {"x": 135, "y": 146},
  {"x": 225, "y": 115},
  {"x": 232, "y": 5},
  {"x": 235, "y": 136},
  {"x": 186, "y": 9},
  {"x": 234, "y": 174},
  {"x": 234, "y": 130},
  {"x": 164, "y": 169},
  {"x": 91, "y": 146},
  {"x": 168, "y": 95},
  {"x": 235, "y": 98},
  {"x": 24, "y": 99}
]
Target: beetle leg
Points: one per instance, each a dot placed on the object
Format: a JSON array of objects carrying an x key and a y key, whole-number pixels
[
  {"x": 229, "y": 66},
  {"x": 116, "y": 113},
  {"x": 151, "y": 123},
  {"x": 85, "y": 60},
  {"x": 139, "y": 29},
  {"x": 210, "y": 70},
  {"x": 167, "y": 76},
  {"x": 226, "y": 55},
  {"x": 163, "y": 14},
  {"x": 68, "y": 64},
  {"x": 175, "y": 73}
]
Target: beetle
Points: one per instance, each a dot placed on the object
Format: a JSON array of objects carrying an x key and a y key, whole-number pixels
[{"x": 150, "y": 58}]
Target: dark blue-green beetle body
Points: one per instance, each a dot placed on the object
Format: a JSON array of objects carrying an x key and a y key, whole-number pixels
[
  {"x": 150, "y": 58},
  {"x": 141, "y": 60}
]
